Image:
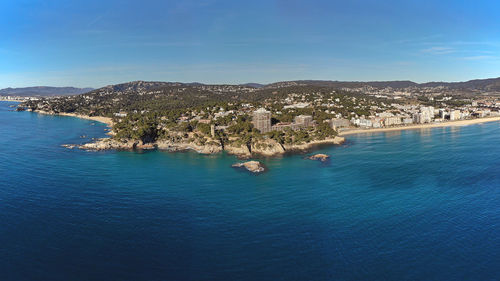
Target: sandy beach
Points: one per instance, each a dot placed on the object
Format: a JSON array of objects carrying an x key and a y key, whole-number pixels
[
  {"x": 106, "y": 120},
  {"x": 421, "y": 126},
  {"x": 109, "y": 121}
]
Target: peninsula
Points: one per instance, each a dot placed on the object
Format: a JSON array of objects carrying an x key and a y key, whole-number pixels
[{"x": 274, "y": 119}]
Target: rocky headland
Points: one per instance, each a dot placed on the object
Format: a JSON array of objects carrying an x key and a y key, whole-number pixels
[
  {"x": 266, "y": 148},
  {"x": 262, "y": 148}
]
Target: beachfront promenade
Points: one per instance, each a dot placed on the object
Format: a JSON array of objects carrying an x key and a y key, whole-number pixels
[{"x": 420, "y": 126}]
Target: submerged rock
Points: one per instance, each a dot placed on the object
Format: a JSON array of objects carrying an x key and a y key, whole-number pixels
[
  {"x": 320, "y": 157},
  {"x": 252, "y": 166},
  {"x": 70, "y": 146}
]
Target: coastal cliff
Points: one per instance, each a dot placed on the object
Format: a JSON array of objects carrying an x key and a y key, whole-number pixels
[
  {"x": 112, "y": 144},
  {"x": 268, "y": 147},
  {"x": 241, "y": 151},
  {"x": 202, "y": 149},
  {"x": 265, "y": 148}
]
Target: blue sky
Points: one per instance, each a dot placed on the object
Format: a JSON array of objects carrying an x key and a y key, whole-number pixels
[{"x": 96, "y": 43}]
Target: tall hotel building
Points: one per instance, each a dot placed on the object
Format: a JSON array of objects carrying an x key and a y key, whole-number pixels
[{"x": 261, "y": 120}]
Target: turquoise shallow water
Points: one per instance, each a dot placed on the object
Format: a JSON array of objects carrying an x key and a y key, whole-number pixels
[{"x": 411, "y": 205}]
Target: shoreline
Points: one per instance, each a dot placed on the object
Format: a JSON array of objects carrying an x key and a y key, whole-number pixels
[
  {"x": 2, "y": 99},
  {"x": 287, "y": 149},
  {"x": 307, "y": 146},
  {"x": 110, "y": 144},
  {"x": 422, "y": 126},
  {"x": 105, "y": 120}
]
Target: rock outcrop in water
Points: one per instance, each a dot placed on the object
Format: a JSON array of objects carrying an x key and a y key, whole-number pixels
[
  {"x": 252, "y": 166},
  {"x": 319, "y": 157},
  {"x": 69, "y": 146}
]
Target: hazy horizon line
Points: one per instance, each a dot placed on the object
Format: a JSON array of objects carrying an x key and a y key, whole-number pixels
[{"x": 244, "y": 83}]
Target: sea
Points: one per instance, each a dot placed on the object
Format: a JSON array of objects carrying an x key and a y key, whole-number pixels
[{"x": 408, "y": 205}]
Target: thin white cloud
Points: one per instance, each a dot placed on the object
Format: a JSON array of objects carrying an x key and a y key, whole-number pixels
[
  {"x": 419, "y": 40},
  {"x": 439, "y": 50},
  {"x": 167, "y": 44},
  {"x": 95, "y": 20},
  {"x": 478, "y": 43},
  {"x": 480, "y": 58}
]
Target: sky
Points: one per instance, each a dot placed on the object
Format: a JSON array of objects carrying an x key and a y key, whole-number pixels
[{"x": 94, "y": 43}]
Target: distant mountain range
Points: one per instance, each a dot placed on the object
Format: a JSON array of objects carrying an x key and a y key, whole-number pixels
[
  {"x": 492, "y": 84},
  {"x": 43, "y": 91}
]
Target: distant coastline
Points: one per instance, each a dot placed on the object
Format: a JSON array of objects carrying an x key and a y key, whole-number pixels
[
  {"x": 421, "y": 126},
  {"x": 10, "y": 100}
]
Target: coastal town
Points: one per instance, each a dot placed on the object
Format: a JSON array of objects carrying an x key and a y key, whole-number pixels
[
  {"x": 269, "y": 120},
  {"x": 17, "y": 98}
]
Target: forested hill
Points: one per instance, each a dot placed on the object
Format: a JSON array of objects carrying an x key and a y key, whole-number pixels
[
  {"x": 492, "y": 84},
  {"x": 43, "y": 91},
  {"x": 140, "y": 96},
  {"x": 163, "y": 96}
]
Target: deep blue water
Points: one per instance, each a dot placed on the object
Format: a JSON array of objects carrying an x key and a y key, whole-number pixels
[{"x": 411, "y": 205}]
